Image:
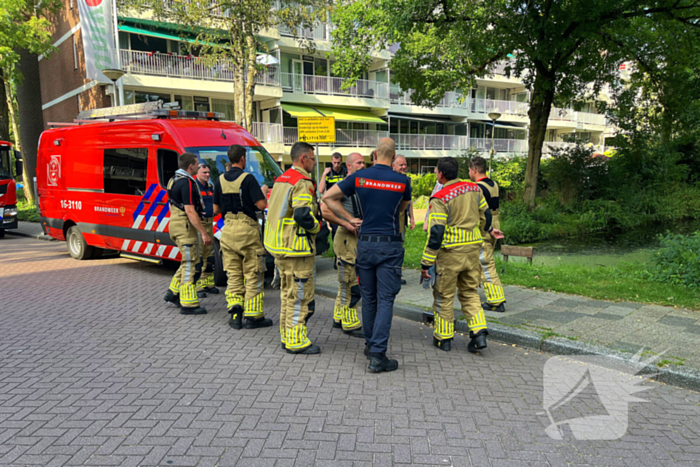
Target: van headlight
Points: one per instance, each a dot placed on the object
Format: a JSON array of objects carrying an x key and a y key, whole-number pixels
[{"x": 10, "y": 211}]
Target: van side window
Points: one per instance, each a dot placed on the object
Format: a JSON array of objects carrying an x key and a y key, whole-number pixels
[
  {"x": 167, "y": 166},
  {"x": 125, "y": 171}
]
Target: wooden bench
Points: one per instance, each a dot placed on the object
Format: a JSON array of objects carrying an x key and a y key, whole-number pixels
[{"x": 522, "y": 251}]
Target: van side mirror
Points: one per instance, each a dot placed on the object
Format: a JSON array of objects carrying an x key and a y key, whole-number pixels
[
  {"x": 19, "y": 168},
  {"x": 18, "y": 155}
]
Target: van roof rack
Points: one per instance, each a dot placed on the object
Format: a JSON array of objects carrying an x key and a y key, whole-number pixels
[{"x": 155, "y": 109}]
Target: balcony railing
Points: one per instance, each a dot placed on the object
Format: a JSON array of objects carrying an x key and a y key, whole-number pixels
[
  {"x": 430, "y": 142},
  {"x": 451, "y": 99},
  {"x": 502, "y": 107},
  {"x": 351, "y": 138},
  {"x": 320, "y": 32},
  {"x": 501, "y": 145},
  {"x": 188, "y": 66},
  {"x": 325, "y": 85},
  {"x": 590, "y": 118},
  {"x": 267, "y": 132}
]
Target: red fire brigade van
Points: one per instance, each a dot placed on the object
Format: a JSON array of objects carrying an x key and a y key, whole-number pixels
[
  {"x": 8, "y": 188},
  {"x": 102, "y": 183}
]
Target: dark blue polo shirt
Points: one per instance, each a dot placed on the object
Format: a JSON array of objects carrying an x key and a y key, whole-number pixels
[{"x": 380, "y": 191}]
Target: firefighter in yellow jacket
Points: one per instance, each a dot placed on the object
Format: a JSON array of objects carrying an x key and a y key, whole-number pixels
[
  {"x": 290, "y": 235},
  {"x": 495, "y": 298},
  {"x": 186, "y": 208},
  {"x": 458, "y": 215},
  {"x": 237, "y": 196}
]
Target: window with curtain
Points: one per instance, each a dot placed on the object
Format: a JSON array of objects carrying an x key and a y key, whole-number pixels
[{"x": 224, "y": 106}]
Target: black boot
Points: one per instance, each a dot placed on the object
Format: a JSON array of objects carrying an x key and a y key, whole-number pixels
[
  {"x": 197, "y": 310},
  {"x": 310, "y": 350},
  {"x": 355, "y": 333},
  {"x": 500, "y": 308},
  {"x": 236, "y": 319},
  {"x": 337, "y": 325},
  {"x": 284, "y": 346},
  {"x": 212, "y": 290},
  {"x": 378, "y": 363},
  {"x": 172, "y": 298},
  {"x": 478, "y": 341},
  {"x": 201, "y": 294},
  {"x": 445, "y": 345},
  {"x": 367, "y": 351},
  {"x": 255, "y": 323}
]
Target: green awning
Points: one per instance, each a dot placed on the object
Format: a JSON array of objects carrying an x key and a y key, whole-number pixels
[
  {"x": 341, "y": 115},
  {"x": 159, "y": 34},
  {"x": 298, "y": 110}
]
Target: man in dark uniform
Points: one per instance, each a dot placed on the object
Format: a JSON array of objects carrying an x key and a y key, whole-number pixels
[
  {"x": 237, "y": 196},
  {"x": 186, "y": 208},
  {"x": 383, "y": 194},
  {"x": 334, "y": 174},
  {"x": 493, "y": 289},
  {"x": 206, "y": 262}
]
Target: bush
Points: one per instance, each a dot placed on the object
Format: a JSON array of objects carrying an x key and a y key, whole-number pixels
[
  {"x": 678, "y": 260},
  {"x": 422, "y": 185}
]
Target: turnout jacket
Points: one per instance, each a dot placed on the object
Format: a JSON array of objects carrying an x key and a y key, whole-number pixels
[
  {"x": 458, "y": 215},
  {"x": 292, "y": 215}
]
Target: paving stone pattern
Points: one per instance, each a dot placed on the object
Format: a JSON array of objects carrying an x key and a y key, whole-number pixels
[
  {"x": 96, "y": 370},
  {"x": 625, "y": 326}
]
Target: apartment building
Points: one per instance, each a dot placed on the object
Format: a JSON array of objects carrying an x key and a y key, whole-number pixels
[{"x": 297, "y": 83}]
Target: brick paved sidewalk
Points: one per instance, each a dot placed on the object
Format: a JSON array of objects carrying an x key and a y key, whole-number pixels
[
  {"x": 96, "y": 370},
  {"x": 622, "y": 326}
]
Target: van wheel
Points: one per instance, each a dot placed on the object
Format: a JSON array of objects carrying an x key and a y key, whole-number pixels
[
  {"x": 2, "y": 233},
  {"x": 77, "y": 246},
  {"x": 220, "y": 278}
]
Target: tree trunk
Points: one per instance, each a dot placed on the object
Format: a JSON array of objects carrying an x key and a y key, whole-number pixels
[
  {"x": 30, "y": 116},
  {"x": 12, "y": 107},
  {"x": 540, "y": 107},
  {"x": 238, "y": 91},
  {"x": 4, "y": 111},
  {"x": 250, "y": 83}
]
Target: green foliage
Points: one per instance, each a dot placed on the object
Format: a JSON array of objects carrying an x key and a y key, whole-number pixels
[
  {"x": 576, "y": 175},
  {"x": 24, "y": 25},
  {"x": 26, "y": 211},
  {"x": 421, "y": 202},
  {"x": 678, "y": 260},
  {"x": 422, "y": 185}
]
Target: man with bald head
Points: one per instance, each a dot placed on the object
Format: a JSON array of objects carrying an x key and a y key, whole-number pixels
[
  {"x": 382, "y": 194},
  {"x": 345, "y": 249}
]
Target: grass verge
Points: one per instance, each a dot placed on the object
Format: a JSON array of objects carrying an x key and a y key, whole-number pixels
[{"x": 624, "y": 282}]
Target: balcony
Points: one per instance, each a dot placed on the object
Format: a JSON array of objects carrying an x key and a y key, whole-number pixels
[
  {"x": 503, "y": 107},
  {"x": 454, "y": 100},
  {"x": 320, "y": 32},
  {"x": 187, "y": 66},
  {"x": 347, "y": 138},
  {"x": 267, "y": 132},
  {"x": 586, "y": 118},
  {"x": 501, "y": 145},
  {"x": 331, "y": 86},
  {"x": 430, "y": 142}
]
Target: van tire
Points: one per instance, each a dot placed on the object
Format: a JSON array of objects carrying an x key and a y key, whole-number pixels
[
  {"x": 220, "y": 278},
  {"x": 77, "y": 246},
  {"x": 2, "y": 233}
]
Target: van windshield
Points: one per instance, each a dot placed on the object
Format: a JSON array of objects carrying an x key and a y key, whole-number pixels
[
  {"x": 5, "y": 170},
  {"x": 258, "y": 162}
]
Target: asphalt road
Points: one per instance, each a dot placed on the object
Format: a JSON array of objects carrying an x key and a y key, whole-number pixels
[{"x": 95, "y": 369}]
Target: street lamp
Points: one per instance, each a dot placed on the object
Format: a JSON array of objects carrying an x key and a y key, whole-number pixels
[
  {"x": 493, "y": 116},
  {"x": 113, "y": 75}
]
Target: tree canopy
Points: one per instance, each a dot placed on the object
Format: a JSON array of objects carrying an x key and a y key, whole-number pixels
[{"x": 564, "y": 51}]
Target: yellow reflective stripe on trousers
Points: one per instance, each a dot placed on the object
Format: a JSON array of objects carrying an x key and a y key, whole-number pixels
[{"x": 478, "y": 322}]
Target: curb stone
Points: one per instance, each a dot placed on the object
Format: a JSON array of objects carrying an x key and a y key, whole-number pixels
[
  {"x": 687, "y": 378},
  {"x": 43, "y": 237}
]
